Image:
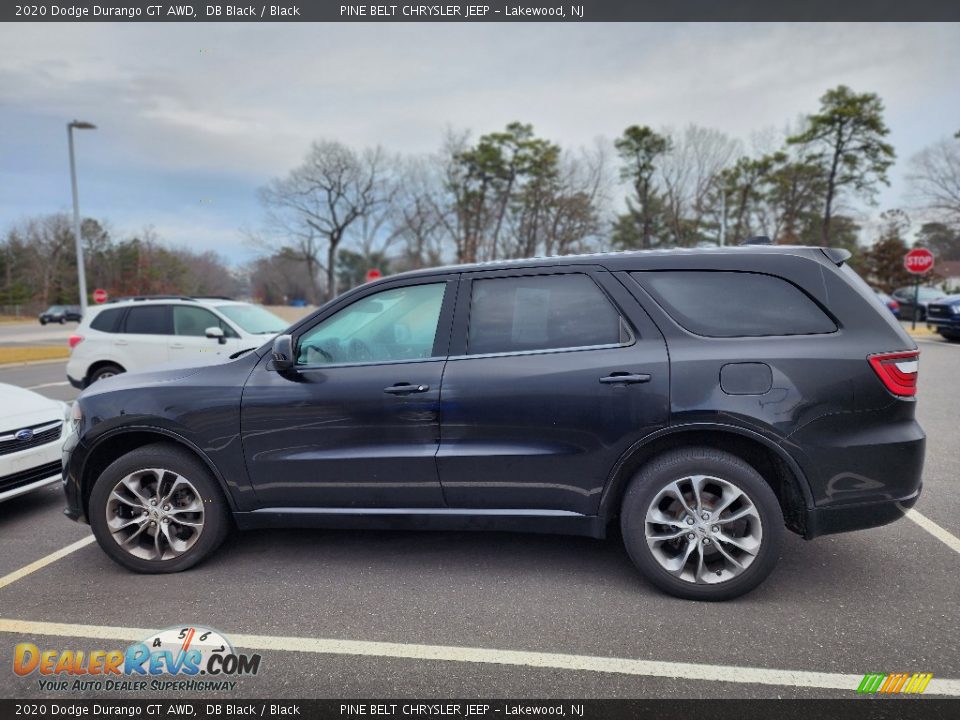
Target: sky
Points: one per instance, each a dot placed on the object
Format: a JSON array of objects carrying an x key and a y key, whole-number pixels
[{"x": 193, "y": 118}]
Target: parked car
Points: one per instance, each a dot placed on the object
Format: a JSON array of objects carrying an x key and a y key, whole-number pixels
[
  {"x": 32, "y": 433},
  {"x": 944, "y": 315},
  {"x": 137, "y": 333},
  {"x": 60, "y": 314},
  {"x": 905, "y": 296},
  {"x": 889, "y": 303},
  {"x": 702, "y": 399}
]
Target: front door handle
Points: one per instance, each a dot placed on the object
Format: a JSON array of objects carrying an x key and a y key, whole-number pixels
[
  {"x": 625, "y": 378},
  {"x": 406, "y": 389}
]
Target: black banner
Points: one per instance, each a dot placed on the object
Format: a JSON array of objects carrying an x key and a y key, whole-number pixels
[
  {"x": 482, "y": 11},
  {"x": 873, "y": 708}
]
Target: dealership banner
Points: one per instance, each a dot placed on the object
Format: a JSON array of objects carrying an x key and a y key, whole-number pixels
[
  {"x": 425, "y": 709},
  {"x": 481, "y": 11}
]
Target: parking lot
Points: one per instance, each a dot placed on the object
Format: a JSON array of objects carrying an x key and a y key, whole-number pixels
[{"x": 415, "y": 614}]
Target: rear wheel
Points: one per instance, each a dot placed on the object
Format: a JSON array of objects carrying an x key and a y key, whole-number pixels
[
  {"x": 702, "y": 524},
  {"x": 104, "y": 371},
  {"x": 157, "y": 509}
]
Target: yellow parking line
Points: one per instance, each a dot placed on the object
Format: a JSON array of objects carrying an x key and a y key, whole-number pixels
[{"x": 44, "y": 561}]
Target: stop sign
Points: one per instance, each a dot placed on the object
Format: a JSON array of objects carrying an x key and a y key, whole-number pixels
[
  {"x": 99, "y": 295},
  {"x": 373, "y": 274},
  {"x": 918, "y": 261}
]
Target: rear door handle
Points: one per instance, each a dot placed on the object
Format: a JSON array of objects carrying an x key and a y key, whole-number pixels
[
  {"x": 625, "y": 378},
  {"x": 177, "y": 346},
  {"x": 406, "y": 389}
]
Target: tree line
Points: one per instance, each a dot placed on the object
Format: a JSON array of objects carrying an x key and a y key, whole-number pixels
[{"x": 512, "y": 193}]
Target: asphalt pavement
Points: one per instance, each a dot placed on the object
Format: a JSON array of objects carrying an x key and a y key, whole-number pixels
[
  {"x": 882, "y": 600},
  {"x": 18, "y": 334}
]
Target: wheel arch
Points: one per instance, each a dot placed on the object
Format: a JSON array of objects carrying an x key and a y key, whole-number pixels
[
  {"x": 94, "y": 366},
  {"x": 774, "y": 464},
  {"x": 116, "y": 444}
]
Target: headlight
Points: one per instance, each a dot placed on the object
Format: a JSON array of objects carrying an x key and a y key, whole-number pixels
[{"x": 76, "y": 417}]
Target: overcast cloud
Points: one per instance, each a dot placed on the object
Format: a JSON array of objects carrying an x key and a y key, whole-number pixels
[{"x": 193, "y": 118}]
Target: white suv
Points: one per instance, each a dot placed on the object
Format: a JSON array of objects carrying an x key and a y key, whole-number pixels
[{"x": 137, "y": 333}]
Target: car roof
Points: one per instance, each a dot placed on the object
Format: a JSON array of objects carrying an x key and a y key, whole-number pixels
[
  {"x": 172, "y": 300},
  {"x": 622, "y": 259}
]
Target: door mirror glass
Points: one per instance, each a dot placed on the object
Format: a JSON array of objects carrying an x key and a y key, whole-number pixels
[{"x": 282, "y": 353}]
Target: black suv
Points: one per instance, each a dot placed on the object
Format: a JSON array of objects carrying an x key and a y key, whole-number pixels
[
  {"x": 60, "y": 314},
  {"x": 704, "y": 399}
]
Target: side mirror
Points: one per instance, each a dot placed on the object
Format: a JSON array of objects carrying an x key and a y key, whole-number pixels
[
  {"x": 215, "y": 333},
  {"x": 283, "y": 359}
]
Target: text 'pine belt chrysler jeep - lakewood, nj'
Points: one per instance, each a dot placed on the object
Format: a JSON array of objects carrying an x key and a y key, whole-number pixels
[{"x": 703, "y": 399}]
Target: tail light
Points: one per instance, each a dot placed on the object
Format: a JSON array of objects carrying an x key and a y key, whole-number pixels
[
  {"x": 894, "y": 305},
  {"x": 74, "y": 340},
  {"x": 897, "y": 371}
]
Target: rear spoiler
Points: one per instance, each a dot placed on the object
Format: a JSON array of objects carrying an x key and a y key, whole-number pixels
[{"x": 836, "y": 255}]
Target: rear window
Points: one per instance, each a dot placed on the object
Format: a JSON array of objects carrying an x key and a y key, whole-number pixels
[
  {"x": 735, "y": 304},
  {"x": 107, "y": 320},
  {"x": 149, "y": 320}
]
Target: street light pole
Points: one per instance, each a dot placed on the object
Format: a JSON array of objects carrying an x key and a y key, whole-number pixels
[{"x": 81, "y": 274}]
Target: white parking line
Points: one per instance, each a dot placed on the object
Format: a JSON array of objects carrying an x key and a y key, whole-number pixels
[
  {"x": 447, "y": 653},
  {"x": 46, "y": 385},
  {"x": 944, "y": 536},
  {"x": 44, "y": 561}
]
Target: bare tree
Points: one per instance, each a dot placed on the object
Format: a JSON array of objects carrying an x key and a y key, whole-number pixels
[
  {"x": 689, "y": 174},
  {"x": 934, "y": 179},
  {"x": 320, "y": 200}
]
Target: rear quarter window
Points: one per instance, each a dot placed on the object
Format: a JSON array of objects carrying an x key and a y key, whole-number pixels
[
  {"x": 107, "y": 320},
  {"x": 735, "y": 304}
]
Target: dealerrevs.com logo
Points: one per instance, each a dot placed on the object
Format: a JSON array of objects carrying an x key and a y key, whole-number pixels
[{"x": 193, "y": 658}]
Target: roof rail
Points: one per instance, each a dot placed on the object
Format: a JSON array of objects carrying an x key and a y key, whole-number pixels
[
  {"x": 211, "y": 297},
  {"x": 138, "y": 298},
  {"x": 757, "y": 240}
]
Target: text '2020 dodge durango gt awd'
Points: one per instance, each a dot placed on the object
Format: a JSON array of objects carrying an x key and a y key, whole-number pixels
[{"x": 705, "y": 399}]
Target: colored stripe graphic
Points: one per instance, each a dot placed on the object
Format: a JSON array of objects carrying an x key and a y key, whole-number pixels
[{"x": 894, "y": 683}]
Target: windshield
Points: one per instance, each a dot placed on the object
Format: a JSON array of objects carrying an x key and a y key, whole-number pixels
[{"x": 253, "y": 319}]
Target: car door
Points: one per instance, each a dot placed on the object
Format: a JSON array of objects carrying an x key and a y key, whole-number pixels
[
  {"x": 189, "y": 340},
  {"x": 553, "y": 374},
  {"x": 356, "y": 423},
  {"x": 145, "y": 336}
]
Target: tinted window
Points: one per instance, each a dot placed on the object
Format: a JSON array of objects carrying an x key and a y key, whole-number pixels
[
  {"x": 397, "y": 324},
  {"x": 107, "y": 320},
  {"x": 194, "y": 321},
  {"x": 735, "y": 304},
  {"x": 149, "y": 320},
  {"x": 540, "y": 312}
]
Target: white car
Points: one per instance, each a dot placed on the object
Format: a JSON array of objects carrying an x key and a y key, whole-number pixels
[
  {"x": 32, "y": 432},
  {"x": 139, "y": 333}
]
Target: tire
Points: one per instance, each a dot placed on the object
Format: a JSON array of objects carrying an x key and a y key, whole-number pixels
[
  {"x": 188, "y": 483},
  {"x": 104, "y": 371},
  {"x": 62, "y": 321},
  {"x": 720, "y": 477}
]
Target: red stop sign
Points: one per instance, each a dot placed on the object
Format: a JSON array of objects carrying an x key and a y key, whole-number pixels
[
  {"x": 99, "y": 296},
  {"x": 918, "y": 261},
  {"x": 373, "y": 274}
]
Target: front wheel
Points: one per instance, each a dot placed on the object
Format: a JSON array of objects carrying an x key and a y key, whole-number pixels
[
  {"x": 158, "y": 510},
  {"x": 702, "y": 524}
]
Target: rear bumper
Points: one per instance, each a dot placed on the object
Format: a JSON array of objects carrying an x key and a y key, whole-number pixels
[{"x": 859, "y": 516}]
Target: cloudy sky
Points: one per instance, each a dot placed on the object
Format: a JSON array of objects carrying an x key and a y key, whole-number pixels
[{"x": 192, "y": 119}]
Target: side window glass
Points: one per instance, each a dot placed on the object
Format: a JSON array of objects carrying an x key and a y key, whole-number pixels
[
  {"x": 541, "y": 312},
  {"x": 718, "y": 303},
  {"x": 106, "y": 320},
  {"x": 149, "y": 320},
  {"x": 392, "y": 325},
  {"x": 194, "y": 321}
]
